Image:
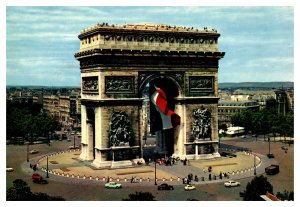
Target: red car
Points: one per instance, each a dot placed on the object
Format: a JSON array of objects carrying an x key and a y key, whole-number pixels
[
  {"x": 36, "y": 176},
  {"x": 160, "y": 161}
]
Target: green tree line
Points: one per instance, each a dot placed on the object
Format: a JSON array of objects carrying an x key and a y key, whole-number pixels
[
  {"x": 20, "y": 191},
  {"x": 265, "y": 121},
  {"x": 28, "y": 121},
  {"x": 260, "y": 185}
]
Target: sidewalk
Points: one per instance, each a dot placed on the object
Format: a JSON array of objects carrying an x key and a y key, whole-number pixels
[{"x": 65, "y": 167}]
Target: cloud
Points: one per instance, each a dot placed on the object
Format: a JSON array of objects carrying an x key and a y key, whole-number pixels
[
  {"x": 41, "y": 41},
  {"x": 46, "y": 36}
]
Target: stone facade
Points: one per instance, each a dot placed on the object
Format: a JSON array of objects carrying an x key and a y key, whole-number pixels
[{"x": 117, "y": 62}]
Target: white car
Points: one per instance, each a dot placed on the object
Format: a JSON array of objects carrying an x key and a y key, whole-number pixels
[
  {"x": 33, "y": 151},
  {"x": 9, "y": 169},
  {"x": 113, "y": 185},
  {"x": 231, "y": 183}
]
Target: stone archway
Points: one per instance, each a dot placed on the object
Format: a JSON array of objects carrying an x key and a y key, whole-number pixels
[{"x": 116, "y": 63}]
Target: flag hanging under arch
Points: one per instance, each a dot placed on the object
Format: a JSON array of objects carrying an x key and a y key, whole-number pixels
[{"x": 169, "y": 118}]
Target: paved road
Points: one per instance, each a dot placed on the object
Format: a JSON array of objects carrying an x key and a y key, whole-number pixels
[{"x": 84, "y": 190}]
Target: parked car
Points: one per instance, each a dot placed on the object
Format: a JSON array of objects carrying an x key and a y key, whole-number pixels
[
  {"x": 9, "y": 169},
  {"x": 113, "y": 185},
  {"x": 33, "y": 151},
  {"x": 165, "y": 186},
  {"x": 42, "y": 181},
  {"x": 36, "y": 176},
  {"x": 284, "y": 148},
  {"x": 189, "y": 187},
  {"x": 272, "y": 169},
  {"x": 231, "y": 183}
]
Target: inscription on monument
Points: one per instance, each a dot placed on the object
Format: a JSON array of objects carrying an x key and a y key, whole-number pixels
[
  {"x": 119, "y": 84},
  {"x": 201, "y": 83},
  {"x": 201, "y": 128},
  {"x": 90, "y": 84}
]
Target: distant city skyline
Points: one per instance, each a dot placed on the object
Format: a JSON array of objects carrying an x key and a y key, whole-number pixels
[{"x": 41, "y": 41}]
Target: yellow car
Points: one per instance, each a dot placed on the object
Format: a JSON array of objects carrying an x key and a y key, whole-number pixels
[{"x": 189, "y": 187}]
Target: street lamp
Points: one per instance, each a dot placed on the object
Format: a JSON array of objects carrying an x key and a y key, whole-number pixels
[
  {"x": 74, "y": 141},
  {"x": 155, "y": 183},
  {"x": 47, "y": 175},
  {"x": 269, "y": 145},
  {"x": 28, "y": 152},
  {"x": 254, "y": 163}
]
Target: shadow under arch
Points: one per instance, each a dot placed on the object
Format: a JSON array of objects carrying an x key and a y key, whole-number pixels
[
  {"x": 165, "y": 139},
  {"x": 154, "y": 76}
]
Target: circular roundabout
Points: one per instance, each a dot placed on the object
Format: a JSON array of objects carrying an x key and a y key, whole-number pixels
[{"x": 67, "y": 167}]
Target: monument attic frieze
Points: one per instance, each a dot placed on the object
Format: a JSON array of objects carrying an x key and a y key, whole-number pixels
[{"x": 148, "y": 37}]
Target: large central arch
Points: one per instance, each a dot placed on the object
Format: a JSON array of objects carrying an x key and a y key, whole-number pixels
[
  {"x": 116, "y": 65},
  {"x": 165, "y": 139}
]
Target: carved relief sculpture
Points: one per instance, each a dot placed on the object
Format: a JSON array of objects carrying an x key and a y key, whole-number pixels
[
  {"x": 119, "y": 84},
  {"x": 201, "y": 128},
  {"x": 200, "y": 83},
  {"x": 120, "y": 132},
  {"x": 90, "y": 84}
]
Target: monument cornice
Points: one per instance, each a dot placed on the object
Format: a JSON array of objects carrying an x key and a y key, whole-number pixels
[{"x": 150, "y": 53}]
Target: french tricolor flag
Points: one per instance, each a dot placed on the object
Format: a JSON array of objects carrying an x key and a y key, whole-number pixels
[{"x": 169, "y": 118}]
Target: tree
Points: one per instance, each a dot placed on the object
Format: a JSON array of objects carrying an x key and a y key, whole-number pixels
[
  {"x": 286, "y": 195},
  {"x": 21, "y": 192},
  {"x": 236, "y": 119},
  {"x": 140, "y": 196},
  {"x": 258, "y": 186},
  {"x": 46, "y": 197},
  {"x": 265, "y": 121},
  {"x": 24, "y": 120}
]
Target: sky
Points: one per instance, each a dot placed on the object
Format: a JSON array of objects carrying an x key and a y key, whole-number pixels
[{"x": 41, "y": 41}]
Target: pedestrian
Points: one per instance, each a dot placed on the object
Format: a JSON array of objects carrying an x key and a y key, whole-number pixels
[
  {"x": 220, "y": 175},
  {"x": 196, "y": 178},
  {"x": 132, "y": 180}
]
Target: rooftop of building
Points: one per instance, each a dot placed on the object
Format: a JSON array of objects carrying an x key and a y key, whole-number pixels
[
  {"x": 237, "y": 103},
  {"x": 149, "y": 27}
]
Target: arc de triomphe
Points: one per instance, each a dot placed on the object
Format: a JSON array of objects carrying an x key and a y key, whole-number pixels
[{"x": 118, "y": 62}]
